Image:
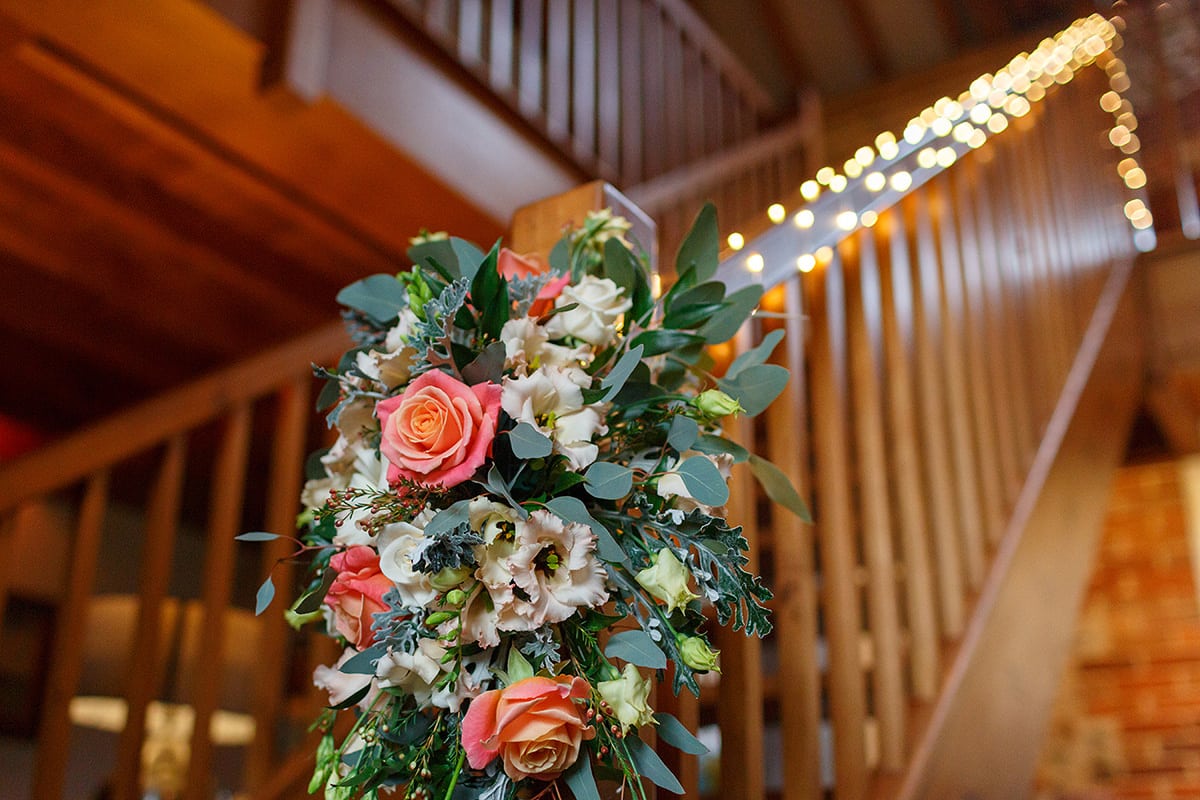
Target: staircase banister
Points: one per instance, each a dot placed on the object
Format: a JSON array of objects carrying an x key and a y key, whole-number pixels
[
  {"x": 145, "y": 425},
  {"x": 694, "y": 178}
]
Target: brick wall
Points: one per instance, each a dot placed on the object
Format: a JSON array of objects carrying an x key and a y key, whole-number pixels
[{"x": 1127, "y": 721}]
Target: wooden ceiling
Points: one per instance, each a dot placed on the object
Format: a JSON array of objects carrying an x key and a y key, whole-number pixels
[{"x": 161, "y": 215}]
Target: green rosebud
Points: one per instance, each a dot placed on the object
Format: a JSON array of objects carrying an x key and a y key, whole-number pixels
[
  {"x": 667, "y": 579},
  {"x": 715, "y": 404},
  {"x": 449, "y": 578},
  {"x": 628, "y": 696},
  {"x": 297, "y": 621},
  {"x": 697, "y": 654}
]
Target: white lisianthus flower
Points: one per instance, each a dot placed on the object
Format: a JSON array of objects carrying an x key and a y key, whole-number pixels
[
  {"x": 666, "y": 579},
  {"x": 593, "y": 320},
  {"x": 343, "y": 685},
  {"x": 414, "y": 672},
  {"x": 396, "y": 543},
  {"x": 551, "y": 400},
  {"x": 527, "y": 346},
  {"x": 629, "y": 697},
  {"x": 555, "y": 568},
  {"x": 392, "y": 365}
]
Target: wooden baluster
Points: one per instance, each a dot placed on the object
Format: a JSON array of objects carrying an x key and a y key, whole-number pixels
[
  {"x": 653, "y": 93},
  {"x": 896, "y": 321},
  {"x": 939, "y": 479},
  {"x": 287, "y": 454},
  {"x": 501, "y": 41},
  {"x": 740, "y": 715},
  {"x": 530, "y": 62},
  {"x": 144, "y": 679},
  {"x": 795, "y": 585},
  {"x": 583, "y": 71},
  {"x": 224, "y": 520},
  {"x": 970, "y": 510},
  {"x": 608, "y": 87},
  {"x": 632, "y": 107},
  {"x": 981, "y": 279},
  {"x": 66, "y": 664},
  {"x": 863, "y": 321},
  {"x": 557, "y": 75},
  {"x": 470, "y": 34},
  {"x": 970, "y": 303},
  {"x": 835, "y": 527}
]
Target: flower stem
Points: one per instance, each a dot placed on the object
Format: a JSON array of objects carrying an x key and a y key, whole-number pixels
[{"x": 457, "y": 771}]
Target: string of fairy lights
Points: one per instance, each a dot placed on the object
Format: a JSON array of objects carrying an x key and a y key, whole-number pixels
[{"x": 836, "y": 203}]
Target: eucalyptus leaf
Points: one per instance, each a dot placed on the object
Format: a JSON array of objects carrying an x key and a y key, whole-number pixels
[
  {"x": 572, "y": 509},
  {"x": 608, "y": 481},
  {"x": 380, "y": 297},
  {"x": 257, "y": 536},
  {"x": 636, "y": 647},
  {"x": 779, "y": 487},
  {"x": 701, "y": 249},
  {"x": 266, "y": 593},
  {"x": 703, "y": 481},
  {"x": 651, "y": 766},
  {"x": 683, "y": 433},
  {"x": 676, "y": 734},
  {"x": 579, "y": 778},
  {"x": 661, "y": 340},
  {"x": 755, "y": 356},
  {"x": 715, "y": 445},
  {"x": 726, "y": 322},
  {"x": 528, "y": 442},
  {"x": 614, "y": 381},
  {"x": 756, "y": 387},
  {"x": 469, "y": 257},
  {"x": 363, "y": 663}
]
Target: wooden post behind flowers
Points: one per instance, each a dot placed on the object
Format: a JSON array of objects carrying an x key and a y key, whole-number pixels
[{"x": 536, "y": 229}]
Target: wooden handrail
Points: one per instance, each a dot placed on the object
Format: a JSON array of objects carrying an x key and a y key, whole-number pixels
[{"x": 131, "y": 432}]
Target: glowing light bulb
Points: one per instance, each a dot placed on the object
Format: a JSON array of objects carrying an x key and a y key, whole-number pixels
[
  {"x": 754, "y": 262},
  {"x": 875, "y": 182},
  {"x": 804, "y": 218},
  {"x": 901, "y": 181},
  {"x": 806, "y": 262},
  {"x": 735, "y": 241},
  {"x": 776, "y": 213}
]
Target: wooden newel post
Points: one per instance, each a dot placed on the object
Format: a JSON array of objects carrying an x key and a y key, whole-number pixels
[{"x": 537, "y": 227}]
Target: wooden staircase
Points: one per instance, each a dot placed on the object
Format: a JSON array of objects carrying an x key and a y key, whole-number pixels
[{"x": 966, "y": 366}]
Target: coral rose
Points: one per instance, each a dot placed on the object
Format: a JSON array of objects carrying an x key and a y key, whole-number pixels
[
  {"x": 511, "y": 266},
  {"x": 357, "y": 594},
  {"x": 533, "y": 725},
  {"x": 439, "y": 431}
]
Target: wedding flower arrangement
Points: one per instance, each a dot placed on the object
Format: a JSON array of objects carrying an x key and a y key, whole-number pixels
[{"x": 520, "y": 524}]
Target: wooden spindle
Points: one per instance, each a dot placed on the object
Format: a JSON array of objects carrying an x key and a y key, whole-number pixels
[
  {"x": 224, "y": 520},
  {"x": 795, "y": 585},
  {"x": 905, "y": 467},
  {"x": 740, "y": 715},
  {"x": 287, "y": 453},
  {"x": 835, "y": 527},
  {"x": 864, "y": 341},
  {"x": 144, "y": 677},
  {"x": 66, "y": 665},
  {"x": 939, "y": 478}
]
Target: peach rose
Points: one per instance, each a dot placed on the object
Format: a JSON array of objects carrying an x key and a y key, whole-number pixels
[
  {"x": 357, "y": 593},
  {"x": 511, "y": 265},
  {"x": 534, "y": 725},
  {"x": 439, "y": 431}
]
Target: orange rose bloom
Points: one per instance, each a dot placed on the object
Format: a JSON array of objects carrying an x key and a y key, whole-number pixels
[{"x": 534, "y": 725}]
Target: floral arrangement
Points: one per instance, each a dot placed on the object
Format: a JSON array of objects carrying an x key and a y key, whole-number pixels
[{"x": 520, "y": 523}]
